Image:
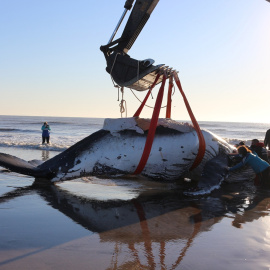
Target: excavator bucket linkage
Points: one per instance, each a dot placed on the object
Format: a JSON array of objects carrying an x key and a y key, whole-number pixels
[
  {"x": 131, "y": 73},
  {"x": 126, "y": 71}
]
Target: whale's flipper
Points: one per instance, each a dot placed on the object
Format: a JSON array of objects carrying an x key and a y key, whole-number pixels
[
  {"x": 212, "y": 176},
  {"x": 214, "y": 172},
  {"x": 21, "y": 166}
]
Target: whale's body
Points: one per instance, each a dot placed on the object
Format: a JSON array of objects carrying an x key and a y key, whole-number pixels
[{"x": 117, "y": 149}]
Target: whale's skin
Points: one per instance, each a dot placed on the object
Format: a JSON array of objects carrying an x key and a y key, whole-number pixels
[{"x": 118, "y": 152}]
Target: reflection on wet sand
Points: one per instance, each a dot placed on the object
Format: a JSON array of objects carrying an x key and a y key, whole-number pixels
[
  {"x": 155, "y": 230},
  {"x": 251, "y": 213},
  {"x": 45, "y": 155}
]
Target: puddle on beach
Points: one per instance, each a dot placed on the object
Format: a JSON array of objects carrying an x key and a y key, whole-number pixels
[
  {"x": 104, "y": 189},
  {"x": 29, "y": 154}
]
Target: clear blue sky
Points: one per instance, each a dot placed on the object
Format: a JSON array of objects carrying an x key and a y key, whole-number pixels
[{"x": 51, "y": 65}]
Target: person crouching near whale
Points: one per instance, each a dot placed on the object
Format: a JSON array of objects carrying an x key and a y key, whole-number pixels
[
  {"x": 45, "y": 133},
  {"x": 260, "y": 166}
]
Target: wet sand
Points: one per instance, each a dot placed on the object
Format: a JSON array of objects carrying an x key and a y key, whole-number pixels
[{"x": 82, "y": 225}]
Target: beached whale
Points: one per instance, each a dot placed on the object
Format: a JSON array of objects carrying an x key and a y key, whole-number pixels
[{"x": 117, "y": 148}]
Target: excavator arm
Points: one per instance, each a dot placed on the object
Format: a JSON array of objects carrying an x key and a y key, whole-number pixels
[
  {"x": 139, "y": 16},
  {"x": 126, "y": 71}
]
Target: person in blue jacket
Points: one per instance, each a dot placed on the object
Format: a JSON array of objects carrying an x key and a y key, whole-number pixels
[
  {"x": 45, "y": 133},
  {"x": 260, "y": 166}
]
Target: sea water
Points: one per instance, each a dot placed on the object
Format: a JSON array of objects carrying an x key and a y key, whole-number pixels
[{"x": 25, "y": 131}]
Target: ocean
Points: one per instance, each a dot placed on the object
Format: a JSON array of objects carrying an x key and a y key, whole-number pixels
[
  {"x": 127, "y": 223},
  {"x": 25, "y": 131}
]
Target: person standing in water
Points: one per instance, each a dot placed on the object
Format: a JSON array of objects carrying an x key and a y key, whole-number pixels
[{"x": 45, "y": 133}]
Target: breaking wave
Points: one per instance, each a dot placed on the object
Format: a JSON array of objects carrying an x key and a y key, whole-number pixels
[{"x": 35, "y": 146}]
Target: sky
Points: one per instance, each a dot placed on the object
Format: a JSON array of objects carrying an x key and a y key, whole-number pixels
[{"x": 51, "y": 64}]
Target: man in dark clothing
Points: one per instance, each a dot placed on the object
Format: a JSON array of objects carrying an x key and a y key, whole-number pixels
[
  {"x": 267, "y": 139},
  {"x": 259, "y": 148},
  {"x": 45, "y": 133}
]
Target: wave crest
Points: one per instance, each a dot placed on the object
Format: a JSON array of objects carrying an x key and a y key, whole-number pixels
[{"x": 25, "y": 145}]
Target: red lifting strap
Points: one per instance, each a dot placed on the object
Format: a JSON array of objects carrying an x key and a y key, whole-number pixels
[
  {"x": 152, "y": 129},
  {"x": 138, "y": 112},
  {"x": 201, "y": 150}
]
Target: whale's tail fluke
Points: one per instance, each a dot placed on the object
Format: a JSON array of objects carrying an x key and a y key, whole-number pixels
[{"x": 21, "y": 166}]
